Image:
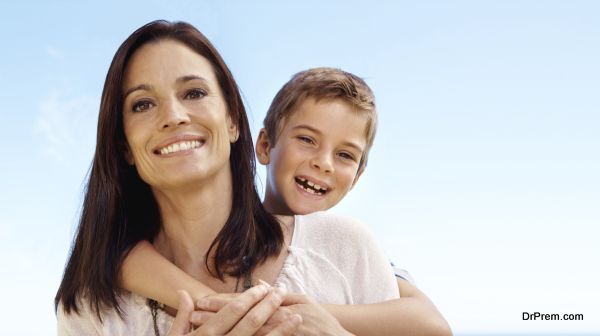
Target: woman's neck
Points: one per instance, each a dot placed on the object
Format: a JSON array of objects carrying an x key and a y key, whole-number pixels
[{"x": 191, "y": 219}]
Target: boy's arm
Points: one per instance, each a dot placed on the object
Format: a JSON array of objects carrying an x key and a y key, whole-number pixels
[
  {"x": 412, "y": 314},
  {"x": 147, "y": 273}
]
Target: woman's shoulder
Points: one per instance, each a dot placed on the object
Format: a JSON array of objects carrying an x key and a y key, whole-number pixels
[
  {"x": 135, "y": 318},
  {"x": 77, "y": 320}
]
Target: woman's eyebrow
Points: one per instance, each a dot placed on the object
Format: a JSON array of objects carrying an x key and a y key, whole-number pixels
[
  {"x": 144, "y": 87},
  {"x": 188, "y": 78}
]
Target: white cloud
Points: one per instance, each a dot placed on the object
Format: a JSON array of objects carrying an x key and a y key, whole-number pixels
[{"x": 67, "y": 125}]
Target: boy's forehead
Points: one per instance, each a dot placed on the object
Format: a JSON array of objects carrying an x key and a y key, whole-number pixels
[{"x": 326, "y": 114}]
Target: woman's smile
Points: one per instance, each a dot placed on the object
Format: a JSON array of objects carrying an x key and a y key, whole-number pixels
[{"x": 181, "y": 144}]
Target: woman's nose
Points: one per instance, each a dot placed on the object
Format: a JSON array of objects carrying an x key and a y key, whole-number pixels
[{"x": 174, "y": 114}]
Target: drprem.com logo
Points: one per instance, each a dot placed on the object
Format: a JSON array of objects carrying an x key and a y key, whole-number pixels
[{"x": 537, "y": 316}]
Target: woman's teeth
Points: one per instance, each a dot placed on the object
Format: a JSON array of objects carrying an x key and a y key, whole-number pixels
[
  {"x": 180, "y": 146},
  {"x": 310, "y": 187}
]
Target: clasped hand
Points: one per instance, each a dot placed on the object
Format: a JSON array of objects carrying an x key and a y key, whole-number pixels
[{"x": 261, "y": 310}]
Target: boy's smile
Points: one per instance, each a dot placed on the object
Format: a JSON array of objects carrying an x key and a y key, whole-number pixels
[
  {"x": 316, "y": 158},
  {"x": 306, "y": 184}
]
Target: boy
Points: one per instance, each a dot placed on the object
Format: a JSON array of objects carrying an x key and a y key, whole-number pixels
[{"x": 317, "y": 136}]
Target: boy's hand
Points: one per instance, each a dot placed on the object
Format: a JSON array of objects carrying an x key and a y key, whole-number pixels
[{"x": 315, "y": 319}]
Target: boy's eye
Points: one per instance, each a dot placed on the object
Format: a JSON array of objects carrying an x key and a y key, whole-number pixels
[
  {"x": 306, "y": 139},
  {"x": 194, "y": 94},
  {"x": 142, "y": 106},
  {"x": 347, "y": 156}
]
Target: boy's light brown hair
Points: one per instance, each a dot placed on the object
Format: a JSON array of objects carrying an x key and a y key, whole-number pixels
[{"x": 323, "y": 83}]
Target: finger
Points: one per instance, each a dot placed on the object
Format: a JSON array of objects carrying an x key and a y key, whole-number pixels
[
  {"x": 292, "y": 299},
  {"x": 258, "y": 315},
  {"x": 281, "y": 315},
  {"x": 288, "y": 327},
  {"x": 215, "y": 302},
  {"x": 233, "y": 312},
  {"x": 198, "y": 318},
  {"x": 264, "y": 330},
  {"x": 181, "y": 324}
]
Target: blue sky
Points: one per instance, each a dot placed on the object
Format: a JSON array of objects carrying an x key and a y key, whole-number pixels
[{"x": 483, "y": 181}]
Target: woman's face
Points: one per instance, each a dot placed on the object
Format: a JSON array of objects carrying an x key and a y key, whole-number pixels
[{"x": 175, "y": 118}]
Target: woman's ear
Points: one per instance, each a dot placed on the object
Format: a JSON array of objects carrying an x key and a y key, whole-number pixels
[
  {"x": 127, "y": 154},
  {"x": 233, "y": 130},
  {"x": 263, "y": 147}
]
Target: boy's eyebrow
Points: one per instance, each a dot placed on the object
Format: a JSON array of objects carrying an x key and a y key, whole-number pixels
[
  {"x": 147, "y": 87},
  {"x": 314, "y": 130}
]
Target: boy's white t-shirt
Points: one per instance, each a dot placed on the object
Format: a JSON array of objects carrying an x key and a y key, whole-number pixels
[
  {"x": 335, "y": 259},
  {"x": 332, "y": 259}
]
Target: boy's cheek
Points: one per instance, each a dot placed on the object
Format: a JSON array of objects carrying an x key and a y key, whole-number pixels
[{"x": 357, "y": 177}]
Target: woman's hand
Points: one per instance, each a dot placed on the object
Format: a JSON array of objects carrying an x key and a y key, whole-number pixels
[
  {"x": 242, "y": 316},
  {"x": 315, "y": 319}
]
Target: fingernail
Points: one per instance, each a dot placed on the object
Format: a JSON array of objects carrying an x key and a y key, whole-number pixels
[
  {"x": 263, "y": 289},
  {"x": 279, "y": 291},
  {"x": 296, "y": 319},
  {"x": 263, "y": 282},
  {"x": 196, "y": 317},
  {"x": 202, "y": 304}
]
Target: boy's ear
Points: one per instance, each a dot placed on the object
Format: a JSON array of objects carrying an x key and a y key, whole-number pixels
[
  {"x": 358, "y": 174},
  {"x": 263, "y": 147}
]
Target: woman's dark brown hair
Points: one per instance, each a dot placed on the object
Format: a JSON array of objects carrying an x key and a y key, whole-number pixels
[{"x": 119, "y": 209}]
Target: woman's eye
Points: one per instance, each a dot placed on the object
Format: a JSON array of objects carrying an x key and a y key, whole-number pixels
[
  {"x": 142, "y": 105},
  {"x": 194, "y": 94},
  {"x": 305, "y": 139}
]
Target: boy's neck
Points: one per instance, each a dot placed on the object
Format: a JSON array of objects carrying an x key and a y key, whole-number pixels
[{"x": 274, "y": 207}]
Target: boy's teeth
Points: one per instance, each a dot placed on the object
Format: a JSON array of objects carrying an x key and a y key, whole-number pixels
[{"x": 310, "y": 187}]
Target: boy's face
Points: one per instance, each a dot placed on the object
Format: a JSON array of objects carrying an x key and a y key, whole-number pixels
[{"x": 315, "y": 160}]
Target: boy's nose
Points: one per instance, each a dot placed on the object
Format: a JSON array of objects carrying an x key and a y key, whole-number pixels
[
  {"x": 323, "y": 163},
  {"x": 173, "y": 114}
]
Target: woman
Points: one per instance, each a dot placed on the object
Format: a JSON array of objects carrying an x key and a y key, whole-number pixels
[{"x": 174, "y": 164}]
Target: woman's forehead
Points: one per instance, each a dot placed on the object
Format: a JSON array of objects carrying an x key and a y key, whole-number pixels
[{"x": 166, "y": 61}]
